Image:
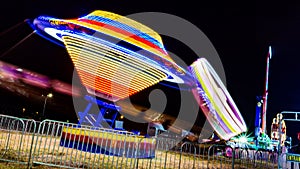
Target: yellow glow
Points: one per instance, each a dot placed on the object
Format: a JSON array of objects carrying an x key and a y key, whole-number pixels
[
  {"x": 129, "y": 39},
  {"x": 122, "y": 37},
  {"x": 100, "y": 49},
  {"x": 50, "y": 95},
  {"x": 107, "y": 135},
  {"x": 108, "y": 70},
  {"x": 127, "y": 21}
]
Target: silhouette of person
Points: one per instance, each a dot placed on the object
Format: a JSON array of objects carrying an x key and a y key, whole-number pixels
[{"x": 297, "y": 147}]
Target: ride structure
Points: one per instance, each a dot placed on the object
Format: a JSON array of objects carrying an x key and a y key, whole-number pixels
[
  {"x": 116, "y": 57},
  {"x": 261, "y": 139}
]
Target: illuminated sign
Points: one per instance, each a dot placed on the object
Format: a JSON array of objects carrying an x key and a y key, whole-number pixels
[
  {"x": 293, "y": 157},
  {"x": 57, "y": 22}
]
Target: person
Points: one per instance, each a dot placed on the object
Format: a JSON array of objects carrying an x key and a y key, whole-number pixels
[
  {"x": 296, "y": 149},
  {"x": 298, "y": 146}
]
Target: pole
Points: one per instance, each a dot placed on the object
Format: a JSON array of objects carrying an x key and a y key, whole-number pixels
[
  {"x": 258, "y": 116},
  {"x": 45, "y": 102},
  {"x": 50, "y": 95},
  {"x": 265, "y": 98},
  {"x": 279, "y": 144}
]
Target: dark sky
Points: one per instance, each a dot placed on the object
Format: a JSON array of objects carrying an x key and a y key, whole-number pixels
[{"x": 241, "y": 34}]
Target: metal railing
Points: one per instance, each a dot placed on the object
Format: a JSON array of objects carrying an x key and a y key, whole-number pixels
[
  {"x": 66, "y": 145},
  {"x": 16, "y": 139}
]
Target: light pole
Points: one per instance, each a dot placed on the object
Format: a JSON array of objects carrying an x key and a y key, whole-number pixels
[{"x": 49, "y": 95}]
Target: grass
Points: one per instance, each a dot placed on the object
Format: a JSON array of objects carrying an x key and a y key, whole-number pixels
[
  {"x": 13, "y": 165},
  {"x": 48, "y": 151}
]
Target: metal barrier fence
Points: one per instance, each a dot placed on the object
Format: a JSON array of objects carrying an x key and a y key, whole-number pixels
[
  {"x": 16, "y": 138},
  {"x": 66, "y": 145}
]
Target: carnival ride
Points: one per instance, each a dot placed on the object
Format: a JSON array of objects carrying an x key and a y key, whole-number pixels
[
  {"x": 116, "y": 57},
  {"x": 12, "y": 78}
]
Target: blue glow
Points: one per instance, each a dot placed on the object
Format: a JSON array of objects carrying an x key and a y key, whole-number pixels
[
  {"x": 174, "y": 86},
  {"x": 43, "y": 36}
]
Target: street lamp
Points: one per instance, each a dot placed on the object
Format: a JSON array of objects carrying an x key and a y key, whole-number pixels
[{"x": 49, "y": 95}]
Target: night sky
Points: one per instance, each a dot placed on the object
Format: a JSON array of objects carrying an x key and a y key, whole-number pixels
[{"x": 241, "y": 34}]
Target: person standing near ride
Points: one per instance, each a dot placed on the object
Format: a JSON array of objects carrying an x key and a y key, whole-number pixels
[
  {"x": 297, "y": 147},
  {"x": 299, "y": 142}
]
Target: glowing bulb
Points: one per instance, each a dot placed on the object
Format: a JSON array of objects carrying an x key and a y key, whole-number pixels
[
  {"x": 50, "y": 95},
  {"x": 243, "y": 139}
]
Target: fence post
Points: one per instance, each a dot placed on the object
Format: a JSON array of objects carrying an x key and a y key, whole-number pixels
[
  {"x": 208, "y": 152},
  {"x": 233, "y": 158},
  {"x": 180, "y": 156},
  {"x": 279, "y": 145},
  {"x": 29, "y": 165}
]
